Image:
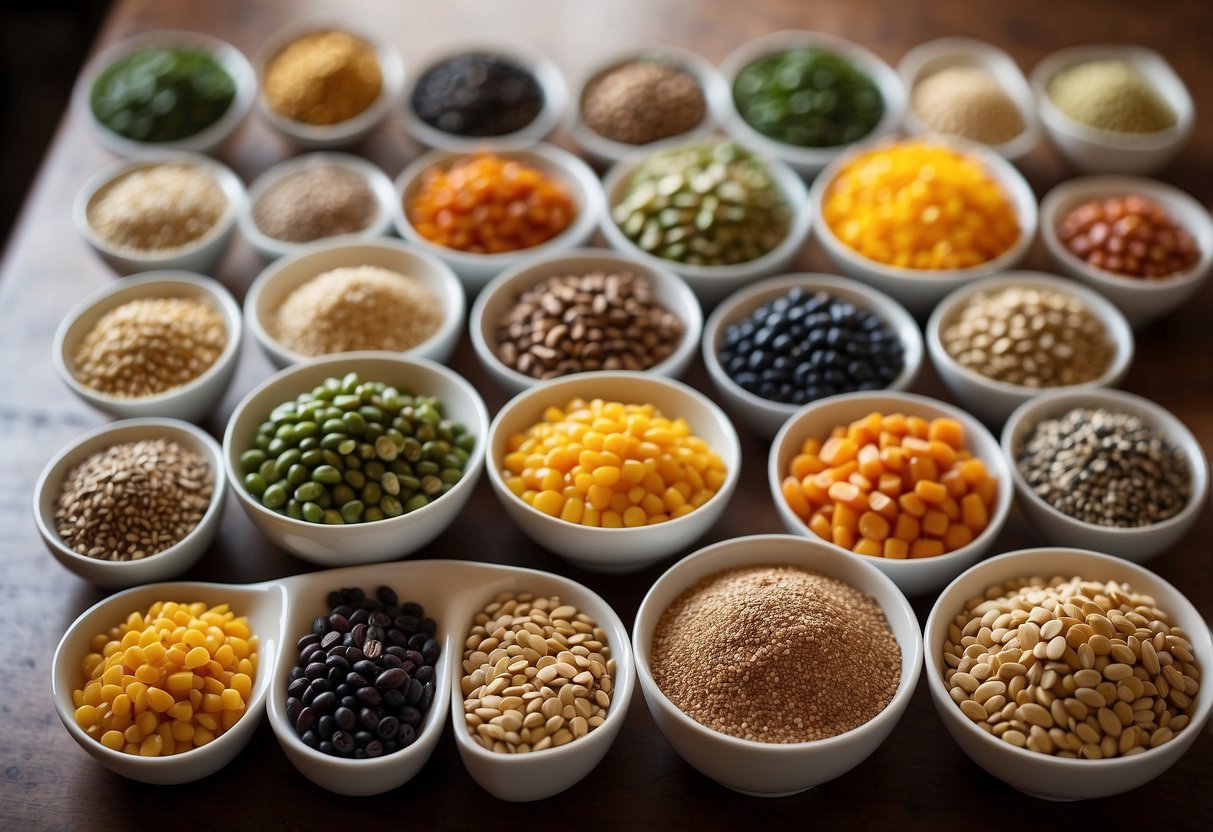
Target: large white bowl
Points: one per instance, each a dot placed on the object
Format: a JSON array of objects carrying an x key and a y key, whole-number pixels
[
  {"x": 282, "y": 277},
  {"x": 913, "y": 576},
  {"x": 380, "y": 540},
  {"x": 774, "y": 769},
  {"x": 1090, "y": 150},
  {"x": 500, "y": 296},
  {"x": 764, "y": 416},
  {"x": 807, "y": 161},
  {"x": 918, "y": 290},
  {"x": 992, "y": 401},
  {"x": 205, "y": 141},
  {"x": 1057, "y": 528},
  {"x": 627, "y": 549},
  {"x": 201, "y": 255},
  {"x": 475, "y": 270},
  {"x": 711, "y": 283},
  {"x": 170, "y": 563},
  {"x": 1140, "y": 299},
  {"x": 1041, "y": 775},
  {"x": 192, "y": 401}
]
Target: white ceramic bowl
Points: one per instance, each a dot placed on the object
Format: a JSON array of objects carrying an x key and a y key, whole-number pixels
[
  {"x": 282, "y": 277},
  {"x": 920, "y": 289},
  {"x": 173, "y": 561},
  {"x": 192, "y": 401},
  {"x": 1090, "y": 150},
  {"x": 342, "y": 133},
  {"x": 773, "y": 769},
  {"x": 500, "y": 296},
  {"x": 271, "y": 247},
  {"x": 943, "y": 53},
  {"x": 608, "y": 151},
  {"x": 1041, "y": 775},
  {"x": 205, "y": 141},
  {"x": 1141, "y": 300},
  {"x": 806, "y": 161},
  {"x": 475, "y": 270},
  {"x": 201, "y": 255},
  {"x": 711, "y": 283},
  {"x": 1057, "y": 528},
  {"x": 628, "y": 549},
  {"x": 376, "y": 541},
  {"x": 764, "y": 416},
  {"x": 914, "y": 576},
  {"x": 992, "y": 401},
  {"x": 546, "y": 73}
]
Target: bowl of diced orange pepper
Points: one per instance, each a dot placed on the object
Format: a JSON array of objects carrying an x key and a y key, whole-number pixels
[
  {"x": 917, "y": 486},
  {"x": 484, "y": 212}
]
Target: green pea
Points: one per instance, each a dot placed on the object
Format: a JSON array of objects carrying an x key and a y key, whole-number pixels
[
  {"x": 425, "y": 468},
  {"x": 351, "y": 461},
  {"x": 322, "y": 393},
  {"x": 390, "y": 484},
  {"x": 374, "y": 470},
  {"x": 312, "y": 458},
  {"x": 371, "y": 493},
  {"x": 346, "y": 447},
  {"x": 294, "y": 509},
  {"x": 269, "y": 471},
  {"x": 403, "y": 425},
  {"x": 391, "y": 506},
  {"x": 451, "y": 475},
  {"x": 254, "y": 484},
  {"x": 276, "y": 446},
  {"x": 347, "y": 402},
  {"x": 461, "y": 455},
  {"x": 354, "y": 423},
  {"x": 366, "y": 451},
  {"x": 386, "y": 449},
  {"x": 434, "y": 450},
  {"x": 251, "y": 459},
  {"x": 275, "y": 496},
  {"x": 308, "y": 443},
  {"x": 371, "y": 413},
  {"x": 425, "y": 432},
  {"x": 332, "y": 426},
  {"x": 431, "y": 485},
  {"x": 262, "y": 442},
  {"x": 411, "y": 450},
  {"x": 267, "y": 428},
  {"x": 451, "y": 461},
  {"x": 326, "y": 474},
  {"x": 350, "y": 382},
  {"x": 372, "y": 514},
  {"x": 286, "y": 433},
  {"x": 342, "y": 494},
  {"x": 415, "y": 502},
  {"x": 466, "y": 442},
  {"x": 351, "y": 512},
  {"x": 331, "y": 458},
  {"x": 354, "y": 478},
  {"x": 288, "y": 458},
  {"x": 333, "y": 441},
  {"x": 306, "y": 429},
  {"x": 312, "y": 513},
  {"x": 409, "y": 485},
  {"x": 309, "y": 492},
  {"x": 296, "y": 475},
  {"x": 372, "y": 433},
  {"x": 401, "y": 468},
  {"x": 396, "y": 436}
]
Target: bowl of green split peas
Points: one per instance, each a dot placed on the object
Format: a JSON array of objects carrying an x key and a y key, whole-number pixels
[{"x": 358, "y": 457}]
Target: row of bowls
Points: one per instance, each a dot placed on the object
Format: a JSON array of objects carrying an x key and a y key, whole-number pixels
[
  {"x": 279, "y": 611},
  {"x": 1085, "y": 148}
]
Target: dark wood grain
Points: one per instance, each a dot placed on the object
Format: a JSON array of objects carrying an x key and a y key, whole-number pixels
[{"x": 918, "y": 778}]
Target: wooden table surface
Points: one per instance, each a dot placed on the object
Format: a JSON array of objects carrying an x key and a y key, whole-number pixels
[{"x": 918, "y": 778}]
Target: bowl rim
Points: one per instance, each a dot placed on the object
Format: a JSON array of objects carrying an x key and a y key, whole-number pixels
[
  {"x": 111, "y": 297},
  {"x": 480, "y": 328},
  {"x": 451, "y": 297},
  {"x": 1116, "y": 328},
  {"x": 872, "y": 300},
  {"x": 153, "y": 427},
  {"x": 1157, "y": 417},
  {"x": 233, "y": 61}
]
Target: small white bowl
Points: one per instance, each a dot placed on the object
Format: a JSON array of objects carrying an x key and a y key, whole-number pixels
[
  {"x": 606, "y": 151},
  {"x": 193, "y": 401},
  {"x": 764, "y": 416},
  {"x": 613, "y": 551},
  {"x": 201, "y": 255},
  {"x": 711, "y": 283},
  {"x": 205, "y": 141},
  {"x": 355, "y": 128},
  {"x": 943, "y": 53},
  {"x": 774, "y": 769},
  {"x": 991, "y": 400},
  {"x": 271, "y": 247},
  {"x": 170, "y": 563},
  {"x": 920, "y": 289},
  {"x": 1089, "y": 150},
  {"x": 1042, "y": 775},
  {"x": 1057, "y": 528},
  {"x": 1140, "y": 299},
  {"x": 806, "y": 161},
  {"x": 282, "y": 277},
  {"x": 475, "y": 270},
  {"x": 500, "y": 296},
  {"x": 913, "y": 576},
  {"x": 380, "y": 540},
  {"x": 551, "y": 83}
]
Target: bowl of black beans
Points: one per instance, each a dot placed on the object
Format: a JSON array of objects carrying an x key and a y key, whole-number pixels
[
  {"x": 785, "y": 342},
  {"x": 485, "y": 98}
]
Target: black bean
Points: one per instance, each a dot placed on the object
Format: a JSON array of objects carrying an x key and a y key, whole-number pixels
[
  {"x": 379, "y": 619},
  {"x": 307, "y": 718},
  {"x": 430, "y": 651},
  {"x": 366, "y": 668},
  {"x": 397, "y": 637},
  {"x": 394, "y": 698},
  {"x": 325, "y": 726},
  {"x": 412, "y": 694},
  {"x": 368, "y": 719},
  {"x": 296, "y": 687},
  {"x": 315, "y": 670},
  {"x": 386, "y": 596},
  {"x": 369, "y": 696},
  {"x": 293, "y": 707},
  {"x": 334, "y": 599},
  {"x": 360, "y": 616},
  {"x": 310, "y": 638},
  {"x": 424, "y": 674},
  {"x": 350, "y": 701},
  {"x": 331, "y": 639},
  {"x": 428, "y": 691},
  {"x": 345, "y": 718},
  {"x": 363, "y": 738},
  {"x": 396, "y": 650},
  {"x": 325, "y": 702},
  {"x": 326, "y": 747},
  {"x": 407, "y": 735},
  {"x": 374, "y": 633},
  {"x": 407, "y": 623},
  {"x": 354, "y": 654},
  {"x": 358, "y": 634},
  {"x": 339, "y": 622},
  {"x": 410, "y": 716},
  {"x": 321, "y": 625},
  {"x": 393, "y": 678},
  {"x": 429, "y": 626},
  {"x": 374, "y": 748},
  {"x": 356, "y": 680},
  {"x": 296, "y": 673},
  {"x": 338, "y": 662},
  {"x": 387, "y": 728},
  {"x": 310, "y": 739}
]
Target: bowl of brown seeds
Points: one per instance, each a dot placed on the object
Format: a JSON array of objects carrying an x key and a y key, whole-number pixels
[{"x": 132, "y": 502}]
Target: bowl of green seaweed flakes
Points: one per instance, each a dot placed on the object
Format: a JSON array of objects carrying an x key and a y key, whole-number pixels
[{"x": 165, "y": 90}]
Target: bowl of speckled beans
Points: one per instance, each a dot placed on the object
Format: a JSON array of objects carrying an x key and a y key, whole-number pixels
[{"x": 1105, "y": 470}]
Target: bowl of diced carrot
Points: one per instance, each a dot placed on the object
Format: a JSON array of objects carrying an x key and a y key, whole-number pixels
[
  {"x": 916, "y": 485},
  {"x": 484, "y": 212}
]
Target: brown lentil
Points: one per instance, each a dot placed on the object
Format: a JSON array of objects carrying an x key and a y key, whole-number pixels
[
  {"x": 967, "y": 101},
  {"x": 1123, "y": 681},
  {"x": 149, "y": 346},
  {"x": 157, "y": 208},
  {"x": 133, "y": 500},
  {"x": 642, "y": 101},
  {"x": 323, "y": 78},
  {"x": 776, "y": 654},
  {"x": 356, "y": 308},
  {"x": 315, "y": 202},
  {"x": 597, "y": 321},
  {"x": 1030, "y": 337},
  {"x": 536, "y": 674}
]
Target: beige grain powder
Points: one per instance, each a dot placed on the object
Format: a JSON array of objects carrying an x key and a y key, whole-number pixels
[{"x": 157, "y": 208}]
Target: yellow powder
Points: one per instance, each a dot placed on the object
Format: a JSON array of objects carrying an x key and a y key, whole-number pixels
[{"x": 323, "y": 78}]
